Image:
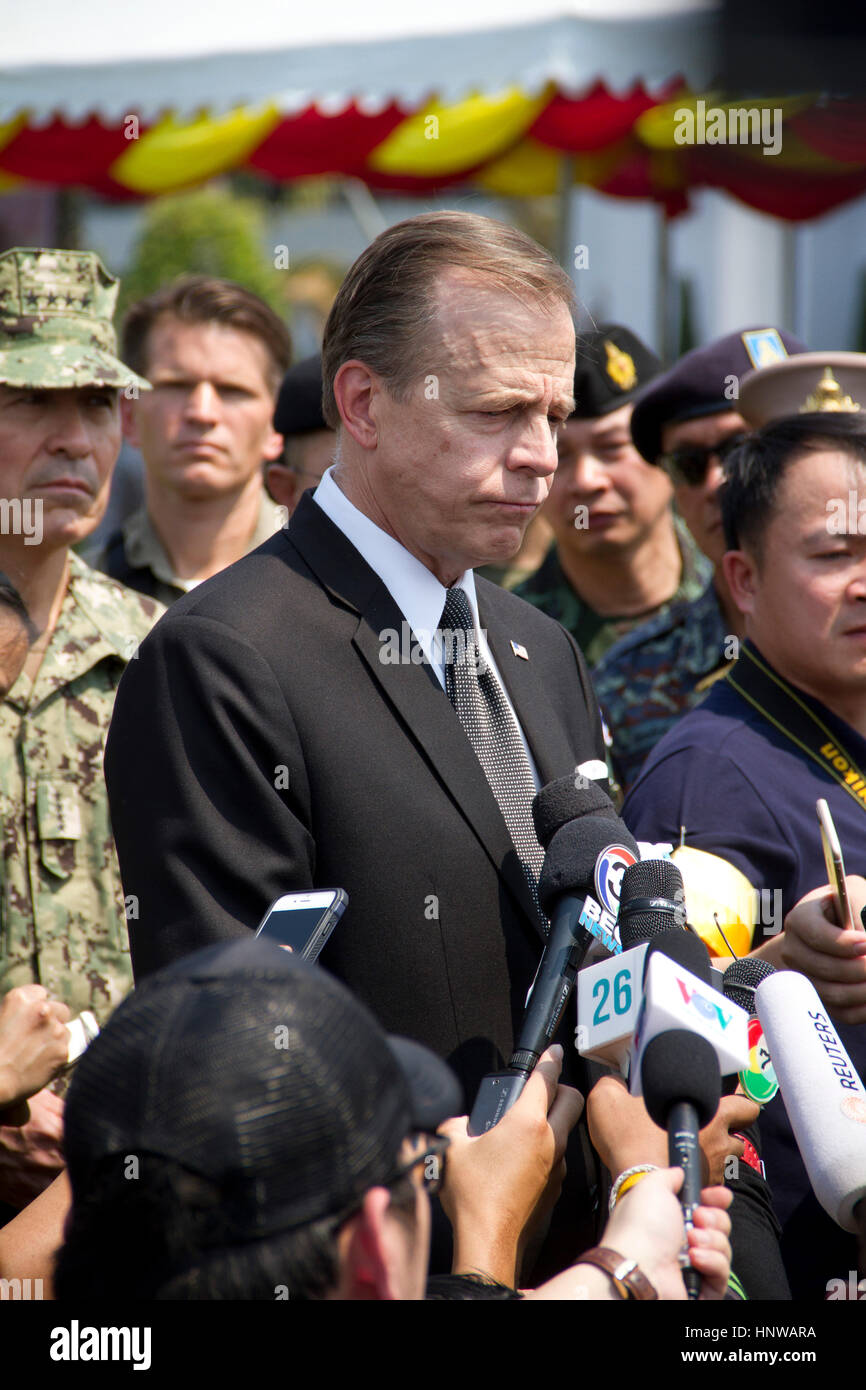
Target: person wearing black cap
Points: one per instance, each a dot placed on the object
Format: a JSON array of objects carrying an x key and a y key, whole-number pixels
[
  {"x": 309, "y": 442},
  {"x": 244, "y": 1129},
  {"x": 619, "y": 557},
  {"x": 684, "y": 422}
]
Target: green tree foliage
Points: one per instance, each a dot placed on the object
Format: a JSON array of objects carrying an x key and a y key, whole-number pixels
[{"x": 206, "y": 232}]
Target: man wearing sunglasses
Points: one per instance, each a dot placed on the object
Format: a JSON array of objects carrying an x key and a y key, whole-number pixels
[{"x": 685, "y": 423}]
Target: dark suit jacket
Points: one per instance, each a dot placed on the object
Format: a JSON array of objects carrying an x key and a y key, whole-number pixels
[{"x": 260, "y": 745}]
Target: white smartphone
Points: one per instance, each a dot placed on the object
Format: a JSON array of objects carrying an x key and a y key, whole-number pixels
[
  {"x": 304, "y": 921},
  {"x": 835, "y": 865}
]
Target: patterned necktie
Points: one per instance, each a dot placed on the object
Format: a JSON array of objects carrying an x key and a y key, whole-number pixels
[{"x": 490, "y": 727}]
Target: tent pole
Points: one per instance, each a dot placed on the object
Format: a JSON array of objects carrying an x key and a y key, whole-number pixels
[
  {"x": 363, "y": 207},
  {"x": 664, "y": 334},
  {"x": 564, "y": 251}
]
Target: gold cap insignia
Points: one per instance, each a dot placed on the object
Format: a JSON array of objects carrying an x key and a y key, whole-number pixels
[
  {"x": 620, "y": 367},
  {"x": 828, "y": 396}
]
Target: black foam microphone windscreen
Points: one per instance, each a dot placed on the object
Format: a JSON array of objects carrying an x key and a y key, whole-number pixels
[
  {"x": 684, "y": 949},
  {"x": 569, "y": 865},
  {"x": 561, "y": 801},
  {"x": 680, "y": 1067}
]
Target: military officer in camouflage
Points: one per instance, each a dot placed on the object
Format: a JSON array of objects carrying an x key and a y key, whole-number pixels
[
  {"x": 685, "y": 422},
  {"x": 62, "y": 918},
  {"x": 619, "y": 556}
]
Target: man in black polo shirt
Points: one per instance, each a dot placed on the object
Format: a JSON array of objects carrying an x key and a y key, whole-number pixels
[{"x": 741, "y": 773}]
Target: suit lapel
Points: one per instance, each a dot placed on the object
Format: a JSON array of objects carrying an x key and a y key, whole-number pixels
[{"x": 413, "y": 691}]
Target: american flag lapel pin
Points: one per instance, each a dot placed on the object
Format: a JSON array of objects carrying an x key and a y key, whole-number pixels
[{"x": 519, "y": 651}]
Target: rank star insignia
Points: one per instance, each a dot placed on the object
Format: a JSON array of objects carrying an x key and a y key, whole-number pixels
[
  {"x": 520, "y": 651},
  {"x": 619, "y": 367}
]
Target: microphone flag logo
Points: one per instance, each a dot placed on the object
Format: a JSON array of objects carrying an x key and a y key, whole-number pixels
[
  {"x": 759, "y": 1081},
  {"x": 610, "y": 866}
]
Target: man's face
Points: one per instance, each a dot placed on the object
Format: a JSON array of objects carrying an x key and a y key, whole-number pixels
[
  {"x": 805, "y": 600},
  {"x": 57, "y": 450},
  {"x": 458, "y": 470},
  {"x": 605, "y": 498},
  {"x": 698, "y": 503},
  {"x": 205, "y": 428}
]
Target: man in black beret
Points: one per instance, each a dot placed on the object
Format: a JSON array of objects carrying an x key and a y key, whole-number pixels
[
  {"x": 310, "y": 443},
  {"x": 684, "y": 423},
  {"x": 619, "y": 556}
]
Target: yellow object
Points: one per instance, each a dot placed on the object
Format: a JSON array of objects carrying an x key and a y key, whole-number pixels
[
  {"x": 174, "y": 155},
  {"x": 442, "y": 140},
  {"x": 630, "y": 1182},
  {"x": 717, "y": 895}
]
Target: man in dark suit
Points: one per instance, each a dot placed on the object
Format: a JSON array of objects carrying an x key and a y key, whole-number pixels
[{"x": 292, "y": 722}]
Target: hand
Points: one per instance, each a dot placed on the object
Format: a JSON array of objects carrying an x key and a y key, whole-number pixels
[
  {"x": 30, "y": 1154},
  {"x": 34, "y": 1043},
  {"x": 498, "y": 1185},
  {"x": 735, "y": 1113},
  {"x": 622, "y": 1133},
  {"x": 647, "y": 1225},
  {"x": 834, "y": 959},
  {"x": 624, "y": 1136}
]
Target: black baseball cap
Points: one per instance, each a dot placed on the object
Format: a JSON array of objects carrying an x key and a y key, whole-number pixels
[
  {"x": 258, "y": 1071},
  {"x": 299, "y": 402},
  {"x": 698, "y": 383},
  {"x": 611, "y": 366}
]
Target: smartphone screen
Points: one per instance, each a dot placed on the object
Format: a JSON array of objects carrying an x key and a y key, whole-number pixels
[{"x": 304, "y": 921}]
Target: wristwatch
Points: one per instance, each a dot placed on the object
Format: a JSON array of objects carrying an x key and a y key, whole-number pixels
[{"x": 627, "y": 1278}]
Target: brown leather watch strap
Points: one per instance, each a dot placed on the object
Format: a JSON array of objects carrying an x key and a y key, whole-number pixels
[{"x": 627, "y": 1278}]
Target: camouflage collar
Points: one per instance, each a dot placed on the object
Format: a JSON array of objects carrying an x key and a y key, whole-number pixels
[
  {"x": 98, "y": 619},
  {"x": 144, "y": 549}
]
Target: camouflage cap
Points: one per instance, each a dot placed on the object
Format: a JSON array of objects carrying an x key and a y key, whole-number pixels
[{"x": 56, "y": 327}]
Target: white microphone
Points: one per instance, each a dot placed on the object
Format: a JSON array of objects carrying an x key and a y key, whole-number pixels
[
  {"x": 675, "y": 998},
  {"x": 824, "y": 1097},
  {"x": 608, "y": 1002}
]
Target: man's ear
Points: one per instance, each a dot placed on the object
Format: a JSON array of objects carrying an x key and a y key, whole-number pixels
[
  {"x": 128, "y": 419},
  {"x": 369, "y": 1252},
  {"x": 355, "y": 391},
  {"x": 741, "y": 572},
  {"x": 273, "y": 447}
]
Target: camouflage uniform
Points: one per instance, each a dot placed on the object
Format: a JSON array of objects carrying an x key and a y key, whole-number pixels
[
  {"x": 62, "y": 921},
  {"x": 549, "y": 590},
  {"x": 135, "y": 555},
  {"x": 656, "y": 673}
]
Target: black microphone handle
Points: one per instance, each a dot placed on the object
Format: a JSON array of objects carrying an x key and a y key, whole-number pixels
[
  {"x": 684, "y": 1151},
  {"x": 564, "y": 953}
]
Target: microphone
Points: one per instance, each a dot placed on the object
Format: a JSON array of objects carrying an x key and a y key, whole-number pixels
[
  {"x": 562, "y": 801},
  {"x": 823, "y": 1094},
  {"x": 678, "y": 995},
  {"x": 609, "y": 993},
  {"x": 681, "y": 1089},
  {"x": 739, "y": 982},
  {"x": 652, "y": 900},
  {"x": 591, "y": 852}
]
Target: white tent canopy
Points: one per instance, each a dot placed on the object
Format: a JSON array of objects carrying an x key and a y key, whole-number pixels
[{"x": 77, "y": 58}]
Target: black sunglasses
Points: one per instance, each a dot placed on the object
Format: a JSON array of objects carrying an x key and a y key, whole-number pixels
[{"x": 689, "y": 463}]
